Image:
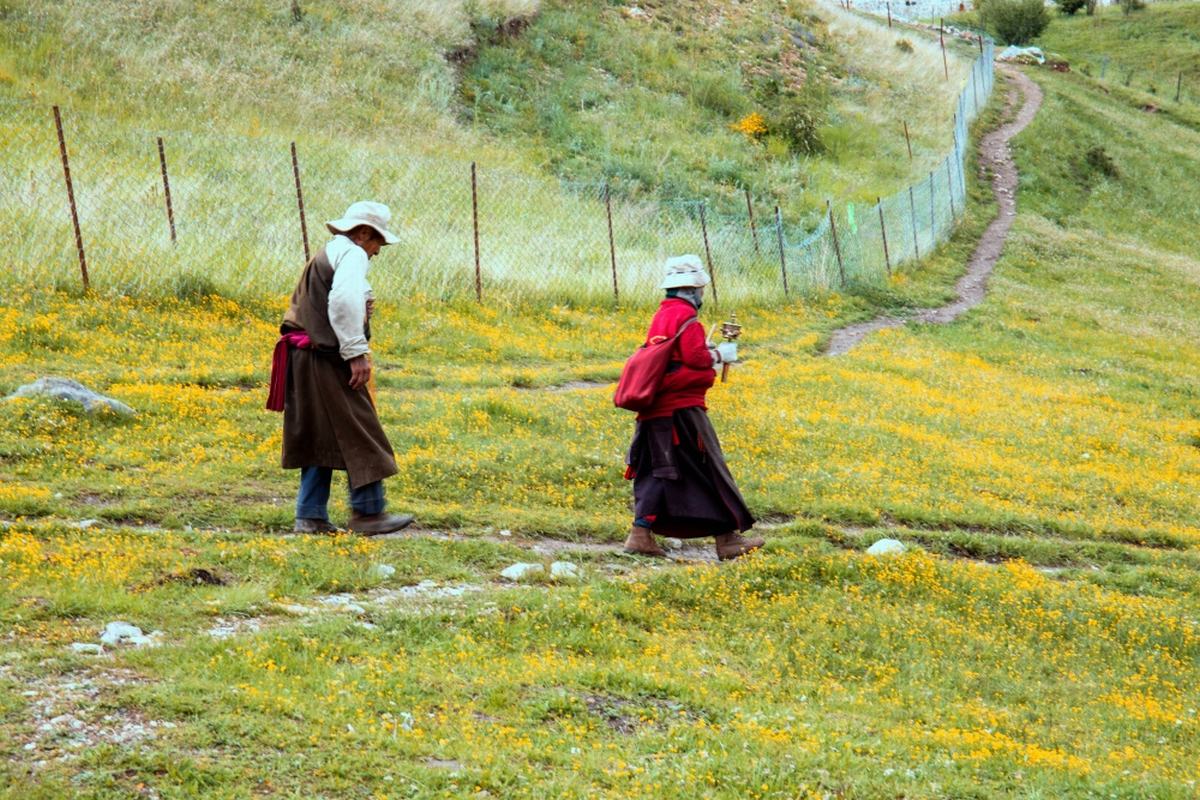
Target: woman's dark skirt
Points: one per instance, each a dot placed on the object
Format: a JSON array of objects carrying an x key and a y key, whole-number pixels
[{"x": 680, "y": 479}]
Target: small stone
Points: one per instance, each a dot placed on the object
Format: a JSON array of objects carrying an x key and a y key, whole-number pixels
[
  {"x": 383, "y": 571},
  {"x": 506, "y": 532},
  {"x": 564, "y": 571},
  {"x": 84, "y": 524},
  {"x": 122, "y": 633},
  {"x": 673, "y": 543},
  {"x": 520, "y": 571},
  {"x": 295, "y": 609},
  {"x": 343, "y": 602},
  {"x": 886, "y": 547},
  {"x": 87, "y": 648}
]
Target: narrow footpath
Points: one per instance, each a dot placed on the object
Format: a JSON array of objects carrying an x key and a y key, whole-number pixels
[{"x": 994, "y": 156}]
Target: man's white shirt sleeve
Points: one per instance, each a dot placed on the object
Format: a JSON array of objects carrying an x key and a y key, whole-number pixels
[{"x": 348, "y": 296}]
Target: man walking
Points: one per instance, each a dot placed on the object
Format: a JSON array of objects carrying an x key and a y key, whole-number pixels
[{"x": 320, "y": 378}]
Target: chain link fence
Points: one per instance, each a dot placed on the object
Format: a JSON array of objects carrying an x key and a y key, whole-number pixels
[{"x": 193, "y": 211}]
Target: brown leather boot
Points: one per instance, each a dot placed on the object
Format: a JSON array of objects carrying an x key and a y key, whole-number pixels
[
  {"x": 734, "y": 545},
  {"x": 376, "y": 524},
  {"x": 306, "y": 525},
  {"x": 641, "y": 542}
]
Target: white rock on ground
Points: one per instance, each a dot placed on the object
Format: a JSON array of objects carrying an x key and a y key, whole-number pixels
[
  {"x": 87, "y": 648},
  {"x": 672, "y": 543},
  {"x": 383, "y": 571},
  {"x": 886, "y": 547},
  {"x": 343, "y": 602},
  {"x": 122, "y": 633},
  {"x": 67, "y": 389},
  {"x": 564, "y": 571},
  {"x": 520, "y": 571}
]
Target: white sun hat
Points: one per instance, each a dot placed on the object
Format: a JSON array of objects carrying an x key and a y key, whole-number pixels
[
  {"x": 365, "y": 212},
  {"x": 684, "y": 271}
]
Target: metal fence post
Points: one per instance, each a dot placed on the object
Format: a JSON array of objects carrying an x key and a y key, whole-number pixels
[
  {"x": 66, "y": 162},
  {"x": 712, "y": 273},
  {"x": 1178, "y": 86},
  {"x": 300, "y": 203},
  {"x": 912, "y": 207},
  {"x": 753, "y": 227},
  {"x": 475, "y": 224},
  {"x": 975, "y": 86},
  {"x": 612, "y": 248},
  {"x": 162, "y": 160},
  {"x": 782, "y": 257},
  {"x": 950, "y": 183},
  {"x": 908, "y": 141},
  {"x": 942, "y": 40},
  {"x": 932, "y": 213},
  {"x": 887, "y": 258},
  {"x": 837, "y": 248}
]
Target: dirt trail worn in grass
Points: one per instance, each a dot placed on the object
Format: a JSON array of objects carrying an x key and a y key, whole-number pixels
[{"x": 994, "y": 156}]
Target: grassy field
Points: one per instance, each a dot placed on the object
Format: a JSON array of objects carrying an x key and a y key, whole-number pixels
[
  {"x": 1042, "y": 455},
  {"x": 412, "y": 122}
]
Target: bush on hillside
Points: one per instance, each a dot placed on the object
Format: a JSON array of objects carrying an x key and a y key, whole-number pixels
[
  {"x": 1015, "y": 21},
  {"x": 798, "y": 120},
  {"x": 1070, "y": 7},
  {"x": 1130, "y": 6}
]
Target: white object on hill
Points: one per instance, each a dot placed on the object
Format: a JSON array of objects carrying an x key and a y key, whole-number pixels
[
  {"x": 73, "y": 391},
  {"x": 1022, "y": 55},
  {"x": 886, "y": 547}
]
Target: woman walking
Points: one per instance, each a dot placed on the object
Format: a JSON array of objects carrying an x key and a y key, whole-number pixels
[{"x": 681, "y": 485}]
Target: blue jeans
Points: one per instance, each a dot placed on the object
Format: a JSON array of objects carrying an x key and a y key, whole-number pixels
[{"x": 313, "y": 500}]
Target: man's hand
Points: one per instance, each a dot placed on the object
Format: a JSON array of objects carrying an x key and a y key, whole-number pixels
[
  {"x": 370, "y": 307},
  {"x": 360, "y": 371}
]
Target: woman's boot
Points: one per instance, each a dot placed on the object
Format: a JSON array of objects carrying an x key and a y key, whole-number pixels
[
  {"x": 641, "y": 542},
  {"x": 733, "y": 545}
]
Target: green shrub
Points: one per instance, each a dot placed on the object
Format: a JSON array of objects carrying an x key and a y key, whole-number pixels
[
  {"x": 1015, "y": 21},
  {"x": 1098, "y": 160},
  {"x": 1129, "y": 6},
  {"x": 904, "y": 45},
  {"x": 1070, "y": 7}
]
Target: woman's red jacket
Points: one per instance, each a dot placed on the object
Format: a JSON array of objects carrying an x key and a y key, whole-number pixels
[{"x": 690, "y": 373}]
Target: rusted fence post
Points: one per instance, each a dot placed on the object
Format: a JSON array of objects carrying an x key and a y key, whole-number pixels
[
  {"x": 300, "y": 203},
  {"x": 932, "y": 214},
  {"x": 162, "y": 161},
  {"x": 475, "y": 224},
  {"x": 1178, "y": 86},
  {"x": 782, "y": 257},
  {"x": 62, "y": 148},
  {"x": 837, "y": 247},
  {"x": 612, "y": 247},
  {"x": 753, "y": 227},
  {"x": 712, "y": 273},
  {"x": 942, "y": 40},
  {"x": 950, "y": 184},
  {"x": 908, "y": 141},
  {"x": 975, "y": 85},
  {"x": 887, "y": 257},
  {"x": 912, "y": 207},
  {"x": 889, "y": 15}
]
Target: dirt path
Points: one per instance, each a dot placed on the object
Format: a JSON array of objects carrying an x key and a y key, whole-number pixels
[{"x": 994, "y": 155}]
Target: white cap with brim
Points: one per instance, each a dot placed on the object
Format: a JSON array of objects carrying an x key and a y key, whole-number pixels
[
  {"x": 684, "y": 272},
  {"x": 365, "y": 212}
]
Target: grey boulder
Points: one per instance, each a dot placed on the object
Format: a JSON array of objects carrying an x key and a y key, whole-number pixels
[{"x": 73, "y": 391}]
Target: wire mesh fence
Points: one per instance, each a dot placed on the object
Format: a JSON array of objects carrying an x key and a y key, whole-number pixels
[{"x": 191, "y": 211}]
